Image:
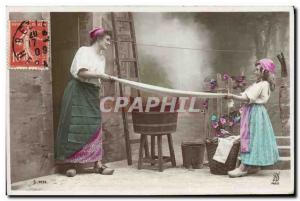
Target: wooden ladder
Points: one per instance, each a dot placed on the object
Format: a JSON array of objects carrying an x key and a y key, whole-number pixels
[{"x": 125, "y": 40}]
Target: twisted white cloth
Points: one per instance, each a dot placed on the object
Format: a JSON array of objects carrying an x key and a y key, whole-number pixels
[{"x": 166, "y": 91}]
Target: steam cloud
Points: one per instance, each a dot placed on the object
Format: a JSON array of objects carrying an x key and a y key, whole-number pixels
[{"x": 186, "y": 69}]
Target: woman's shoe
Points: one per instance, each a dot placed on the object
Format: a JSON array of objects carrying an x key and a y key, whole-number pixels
[
  {"x": 104, "y": 170},
  {"x": 71, "y": 172},
  {"x": 237, "y": 172}
]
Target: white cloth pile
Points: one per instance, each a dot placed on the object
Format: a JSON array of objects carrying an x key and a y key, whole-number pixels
[{"x": 224, "y": 147}]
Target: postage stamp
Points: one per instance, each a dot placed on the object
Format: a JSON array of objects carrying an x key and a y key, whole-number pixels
[
  {"x": 150, "y": 101},
  {"x": 29, "y": 44}
]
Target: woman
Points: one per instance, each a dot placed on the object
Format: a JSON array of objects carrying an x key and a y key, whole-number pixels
[
  {"x": 79, "y": 137},
  {"x": 258, "y": 143}
]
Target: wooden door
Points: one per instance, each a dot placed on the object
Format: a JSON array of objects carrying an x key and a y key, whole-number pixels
[{"x": 65, "y": 42}]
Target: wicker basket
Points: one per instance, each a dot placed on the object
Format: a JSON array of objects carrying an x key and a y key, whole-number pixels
[{"x": 217, "y": 167}]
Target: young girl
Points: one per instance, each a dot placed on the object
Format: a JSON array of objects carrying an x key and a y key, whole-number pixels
[{"x": 258, "y": 143}]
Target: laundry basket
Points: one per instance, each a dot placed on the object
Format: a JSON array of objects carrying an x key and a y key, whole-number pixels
[{"x": 217, "y": 167}]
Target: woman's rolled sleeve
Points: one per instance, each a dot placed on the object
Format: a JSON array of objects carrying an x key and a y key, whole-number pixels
[{"x": 77, "y": 65}]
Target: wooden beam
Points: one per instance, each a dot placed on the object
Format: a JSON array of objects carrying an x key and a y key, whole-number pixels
[{"x": 281, "y": 59}]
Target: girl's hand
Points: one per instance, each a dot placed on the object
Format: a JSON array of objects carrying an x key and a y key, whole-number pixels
[{"x": 229, "y": 96}]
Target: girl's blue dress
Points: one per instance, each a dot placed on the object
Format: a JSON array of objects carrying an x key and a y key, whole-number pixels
[{"x": 263, "y": 149}]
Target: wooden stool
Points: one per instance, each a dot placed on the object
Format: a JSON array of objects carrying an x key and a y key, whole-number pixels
[
  {"x": 155, "y": 124},
  {"x": 153, "y": 159}
]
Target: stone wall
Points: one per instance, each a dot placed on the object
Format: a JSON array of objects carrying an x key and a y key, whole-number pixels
[
  {"x": 114, "y": 139},
  {"x": 31, "y": 128}
]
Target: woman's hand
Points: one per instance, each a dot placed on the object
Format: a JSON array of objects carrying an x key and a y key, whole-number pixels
[
  {"x": 85, "y": 74},
  {"x": 106, "y": 78}
]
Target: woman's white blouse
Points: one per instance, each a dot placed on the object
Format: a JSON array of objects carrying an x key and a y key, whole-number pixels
[
  {"x": 258, "y": 92},
  {"x": 87, "y": 58}
]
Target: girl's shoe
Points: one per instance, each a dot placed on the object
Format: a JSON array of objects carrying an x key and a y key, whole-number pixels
[
  {"x": 104, "y": 170},
  {"x": 253, "y": 170},
  {"x": 237, "y": 172}
]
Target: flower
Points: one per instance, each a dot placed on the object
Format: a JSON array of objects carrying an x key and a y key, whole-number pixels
[
  {"x": 230, "y": 123},
  {"x": 241, "y": 110},
  {"x": 225, "y": 76},
  {"x": 205, "y": 104},
  {"x": 215, "y": 124},
  {"x": 222, "y": 120},
  {"x": 213, "y": 84},
  {"x": 237, "y": 119},
  {"x": 214, "y": 117},
  {"x": 213, "y": 81}
]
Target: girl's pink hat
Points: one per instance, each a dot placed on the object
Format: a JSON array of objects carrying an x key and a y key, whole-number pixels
[
  {"x": 97, "y": 31},
  {"x": 267, "y": 64}
]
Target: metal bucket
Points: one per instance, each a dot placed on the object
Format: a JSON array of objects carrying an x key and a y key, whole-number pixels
[{"x": 193, "y": 154}]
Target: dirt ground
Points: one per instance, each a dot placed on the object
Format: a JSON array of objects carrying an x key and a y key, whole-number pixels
[{"x": 128, "y": 180}]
